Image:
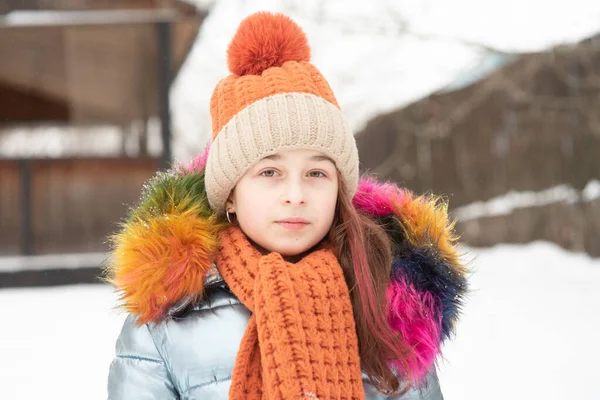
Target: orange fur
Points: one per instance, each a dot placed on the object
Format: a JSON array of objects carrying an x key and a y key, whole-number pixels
[{"x": 162, "y": 260}]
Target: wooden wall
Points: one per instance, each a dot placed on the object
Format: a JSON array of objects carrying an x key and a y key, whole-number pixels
[{"x": 75, "y": 203}]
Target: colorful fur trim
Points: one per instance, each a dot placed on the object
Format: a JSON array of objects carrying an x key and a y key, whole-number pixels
[
  {"x": 167, "y": 245},
  {"x": 428, "y": 282}
]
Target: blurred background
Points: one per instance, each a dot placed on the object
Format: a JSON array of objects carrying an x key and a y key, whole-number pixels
[{"x": 493, "y": 105}]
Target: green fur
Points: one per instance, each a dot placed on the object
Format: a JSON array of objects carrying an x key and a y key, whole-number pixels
[{"x": 172, "y": 191}]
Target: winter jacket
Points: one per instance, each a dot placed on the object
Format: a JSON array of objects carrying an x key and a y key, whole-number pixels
[
  {"x": 184, "y": 326},
  {"x": 191, "y": 357}
]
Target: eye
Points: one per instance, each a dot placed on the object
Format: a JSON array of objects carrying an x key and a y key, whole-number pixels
[
  {"x": 317, "y": 174},
  {"x": 268, "y": 173}
]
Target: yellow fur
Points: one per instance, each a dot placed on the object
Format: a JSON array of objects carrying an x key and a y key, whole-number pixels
[{"x": 426, "y": 224}]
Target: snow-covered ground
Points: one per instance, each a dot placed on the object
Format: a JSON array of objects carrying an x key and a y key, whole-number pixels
[
  {"x": 530, "y": 327},
  {"x": 529, "y": 331}
]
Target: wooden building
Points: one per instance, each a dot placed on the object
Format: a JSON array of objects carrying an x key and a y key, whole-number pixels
[{"x": 83, "y": 63}]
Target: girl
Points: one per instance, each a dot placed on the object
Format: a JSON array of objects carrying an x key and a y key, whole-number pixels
[{"x": 266, "y": 269}]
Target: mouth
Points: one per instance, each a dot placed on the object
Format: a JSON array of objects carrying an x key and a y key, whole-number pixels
[{"x": 293, "y": 223}]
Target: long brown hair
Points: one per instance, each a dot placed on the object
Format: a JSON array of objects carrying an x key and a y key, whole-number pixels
[{"x": 364, "y": 252}]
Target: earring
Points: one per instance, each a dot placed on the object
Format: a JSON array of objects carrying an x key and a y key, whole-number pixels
[{"x": 228, "y": 218}]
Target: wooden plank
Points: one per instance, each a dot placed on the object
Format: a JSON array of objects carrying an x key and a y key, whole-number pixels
[{"x": 10, "y": 207}]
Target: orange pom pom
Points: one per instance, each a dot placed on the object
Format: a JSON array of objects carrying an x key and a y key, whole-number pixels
[{"x": 264, "y": 40}]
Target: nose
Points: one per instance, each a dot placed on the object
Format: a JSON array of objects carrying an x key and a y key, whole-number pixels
[{"x": 294, "y": 193}]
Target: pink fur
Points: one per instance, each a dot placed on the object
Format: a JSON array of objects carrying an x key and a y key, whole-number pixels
[
  {"x": 376, "y": 198},
  {"x": 199, "y": 162},
  {"x": 416, "y": 316}
]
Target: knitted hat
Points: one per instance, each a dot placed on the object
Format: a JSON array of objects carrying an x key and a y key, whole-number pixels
[{"x": 274, "y": 100}]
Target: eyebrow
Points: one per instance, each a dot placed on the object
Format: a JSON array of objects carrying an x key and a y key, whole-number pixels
[{"x": 273, "y": 157}]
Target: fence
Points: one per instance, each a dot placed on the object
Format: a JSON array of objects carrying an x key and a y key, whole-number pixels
[{"x": 530, "y": 126}]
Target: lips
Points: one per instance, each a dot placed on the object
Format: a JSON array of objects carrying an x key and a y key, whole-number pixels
[
  {"x": 292, "y": 223},
  {"x": 294, "y": 220}
]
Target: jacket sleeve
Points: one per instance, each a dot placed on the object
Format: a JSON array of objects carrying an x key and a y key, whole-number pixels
[
  {"x": 429, "y": 390},
  {"x": 138, "y": 371}
]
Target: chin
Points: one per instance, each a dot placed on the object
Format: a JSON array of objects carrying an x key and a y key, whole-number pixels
[{"x": 290, "y": 250}]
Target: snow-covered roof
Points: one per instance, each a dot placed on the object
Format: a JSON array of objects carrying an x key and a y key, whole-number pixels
[
  {"x": 58, "y": 141},
  {"x": 48, "y": 18}
]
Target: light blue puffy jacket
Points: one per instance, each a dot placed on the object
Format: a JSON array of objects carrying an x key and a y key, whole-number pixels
[{"x": 191, "y": 355}]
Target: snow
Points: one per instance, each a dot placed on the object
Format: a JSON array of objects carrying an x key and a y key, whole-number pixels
[
  {"x": 61, "y": 18},
  {"x": 528, "y": 332},
  {"x": 530, "y": 327},
  {"x": 509, "y": 25},
  {"x": 57, "y": 343},
  {"x": 56, "y": 141},
  {"x": 591, "y": 190},
  {"x": 383, "y": 54},
  {"x": 370, "y": 68},
  {"x": 513, "y": 200},
  {"x": 52, "y": 261}
]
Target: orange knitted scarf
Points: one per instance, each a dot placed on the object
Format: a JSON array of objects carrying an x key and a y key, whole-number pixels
[{"x": 300, "y": 342}]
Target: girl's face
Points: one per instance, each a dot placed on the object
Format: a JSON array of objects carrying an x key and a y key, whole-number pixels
[{"x": 286, "y": 202}]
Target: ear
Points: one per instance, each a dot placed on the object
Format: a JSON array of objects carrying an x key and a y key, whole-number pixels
[{"x": 230, "y": 204}]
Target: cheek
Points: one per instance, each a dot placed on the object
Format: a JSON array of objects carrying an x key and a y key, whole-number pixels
[
  {"x": 251, "y": 216},
  {"x": 324, "y": 202},
  {"x": 326, "y": 198},
  {"x": 251, "y": 207}
]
